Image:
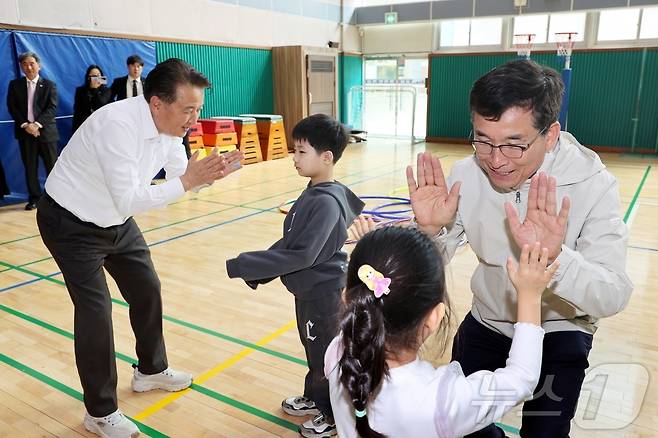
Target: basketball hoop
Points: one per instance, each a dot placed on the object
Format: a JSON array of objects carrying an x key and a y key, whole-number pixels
[
  {"x": 523, "y": 44},
  {"x": 565, "y": 42}
]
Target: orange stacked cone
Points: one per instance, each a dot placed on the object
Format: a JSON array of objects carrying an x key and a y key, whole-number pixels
[
  {"x": 247, "y": 135},
  {"x": 219, "y": 134},
  {"x": 271, "y": 135},
  {"x": 196, "y": 140}
]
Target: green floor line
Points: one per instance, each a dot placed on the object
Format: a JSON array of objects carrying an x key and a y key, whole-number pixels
[
  {"x": 206, "y": 391},
  {"x": 246, "y": 205},
  {"x": 271, "y": 209},
  {"x": 246, "y": 408},
  {"x": 173, "y": 203},
  {"x": 28, "y": 264},
  {"x": 130, "y": 360},
  {"x": 180, "y": 322},
  {"x": 149, "y": 431},
  {"x": 182, "y": 221},
  {"x": 637, "y": 194},
  {"x": 19, "y": 239}
]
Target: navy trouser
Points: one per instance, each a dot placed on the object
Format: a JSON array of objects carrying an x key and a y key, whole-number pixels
[
  {"x": 317, "y": 324},
  {"x": 550, "y": 412}
]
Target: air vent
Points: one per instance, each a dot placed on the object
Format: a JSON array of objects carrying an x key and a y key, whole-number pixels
[{"x": 322, "y": 66}]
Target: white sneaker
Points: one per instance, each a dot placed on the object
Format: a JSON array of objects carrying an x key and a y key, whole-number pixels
[
  {"x": 168, "y": 380},
  {"x": 115, "y": 425},
  {"x": 318, "y": 427}
]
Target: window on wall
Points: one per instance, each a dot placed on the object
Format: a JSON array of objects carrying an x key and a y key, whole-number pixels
[
  {"x": 381, "y": 2},
  {"x": 454, "y": 33},
  {"x": 537, "y": 24},
  {"x": 387, "y": 98},
  {"x": 618, "y": 24},
  {"x": 486, "y": 31},
  {"x": 471, "y": 32},
  {"x": 649, "y": 26},
  {"x": 569, "y": 22}
]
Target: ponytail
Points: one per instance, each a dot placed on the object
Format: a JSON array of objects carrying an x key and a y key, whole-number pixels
[
  {"x": 363, "y": 364},
  {"x": 394, "y": 279}
]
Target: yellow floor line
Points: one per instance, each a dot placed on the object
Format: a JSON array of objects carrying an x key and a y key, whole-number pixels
[{"x": 199, "y": 380}]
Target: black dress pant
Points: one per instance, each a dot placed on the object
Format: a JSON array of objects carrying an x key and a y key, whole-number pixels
[
  {"x": 31, "y": 149},
  {"x": 549, "y": 413},
  {"x": 82, "y": 250},
  {"x": 4, "y": 188},
  {"x": 317, "y": 324}
]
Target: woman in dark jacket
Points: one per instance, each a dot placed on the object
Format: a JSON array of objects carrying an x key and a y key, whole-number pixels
[{"x": 91, "y": 96}]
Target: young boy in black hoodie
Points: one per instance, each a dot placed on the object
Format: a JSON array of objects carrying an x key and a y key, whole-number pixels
[{"x": 309, "y": 260}]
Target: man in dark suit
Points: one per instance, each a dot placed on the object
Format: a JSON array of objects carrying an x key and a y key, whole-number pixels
[
  {"x": 32, "y": 103},
  {"x": 132, "y": 84}
]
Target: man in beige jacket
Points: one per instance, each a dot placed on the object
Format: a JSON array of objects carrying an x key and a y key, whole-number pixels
[{"x": 528, "y": 182}]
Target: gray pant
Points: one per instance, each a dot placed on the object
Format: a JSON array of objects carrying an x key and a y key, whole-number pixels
[{"x": 81, "y": 250}]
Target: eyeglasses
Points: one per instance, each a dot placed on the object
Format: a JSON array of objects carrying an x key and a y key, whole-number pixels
[{"x": 484, "y": 148}]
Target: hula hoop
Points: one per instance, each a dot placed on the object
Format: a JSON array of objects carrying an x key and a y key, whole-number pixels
[
  {"x": 375, "y": 212},
  {"x": 377, "y": 209},
  {"x": 389, "y": 214}
]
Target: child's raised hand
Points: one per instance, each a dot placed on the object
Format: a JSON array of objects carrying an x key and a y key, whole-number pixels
[
  {"x": 532, "y": 275},
  {"x": 360, "y": 227},
  {"x": 530, "y": 279}
]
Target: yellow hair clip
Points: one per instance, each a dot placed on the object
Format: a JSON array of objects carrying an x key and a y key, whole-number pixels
[{"x": 374, "y": 280}]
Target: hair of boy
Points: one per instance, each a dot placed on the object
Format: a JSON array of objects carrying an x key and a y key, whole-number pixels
[{"x": 323, "y": 133}]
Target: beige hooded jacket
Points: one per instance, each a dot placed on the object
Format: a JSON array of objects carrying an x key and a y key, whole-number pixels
[{"x": 591, "y": 282}]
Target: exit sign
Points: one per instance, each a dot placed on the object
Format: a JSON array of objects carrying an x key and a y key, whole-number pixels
[{"x": 390, "y": 17}]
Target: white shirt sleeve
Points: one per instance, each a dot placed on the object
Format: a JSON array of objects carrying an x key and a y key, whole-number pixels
[
  {"x": 120, "y": 166},
  {"x": 467, "y": 404},
  {"x": 176, "y": 164}
]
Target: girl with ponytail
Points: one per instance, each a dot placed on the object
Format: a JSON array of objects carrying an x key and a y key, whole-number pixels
[{"x": 394, "y": 300}]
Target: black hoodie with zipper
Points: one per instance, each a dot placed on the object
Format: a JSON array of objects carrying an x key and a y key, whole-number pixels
[{"x": 308, "y": 258}]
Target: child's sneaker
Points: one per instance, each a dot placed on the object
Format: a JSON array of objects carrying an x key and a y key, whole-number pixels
[
  {"x": 299, "y": 406},
  {"x": 115, "y": 425},
  {"x": 319, "y": 427},
  {"x": 168, "y": 380}
]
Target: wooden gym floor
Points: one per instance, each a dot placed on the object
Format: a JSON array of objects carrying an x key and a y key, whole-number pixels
[{"x": 242, "y": 345}]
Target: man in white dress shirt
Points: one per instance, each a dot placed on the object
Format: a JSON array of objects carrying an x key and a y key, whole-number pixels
[{"x": 85, "y": 219}]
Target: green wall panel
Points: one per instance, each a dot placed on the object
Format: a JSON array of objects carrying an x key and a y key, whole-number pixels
[
  {"x": 603, "y": 99},
  {"x": 450, "y": 82},
  {"x": 241, "y": 77},
  {"x": 350, "y": 73},
  {"x": 603, "y": 93},
  {"x": 647, "y": 132}
]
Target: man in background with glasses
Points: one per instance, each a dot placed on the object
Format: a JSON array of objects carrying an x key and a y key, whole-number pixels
[{"x": 528, "y": 182}]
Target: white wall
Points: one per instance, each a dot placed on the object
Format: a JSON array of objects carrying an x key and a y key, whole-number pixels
[
  {"x": 399, "y": 38},
  {"x": 203, "y": 20}
]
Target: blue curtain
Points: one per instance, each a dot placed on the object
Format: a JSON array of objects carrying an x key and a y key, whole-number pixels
[
  {"x": 64, "y": 60},
  {"x": 9, "y": 153}
]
